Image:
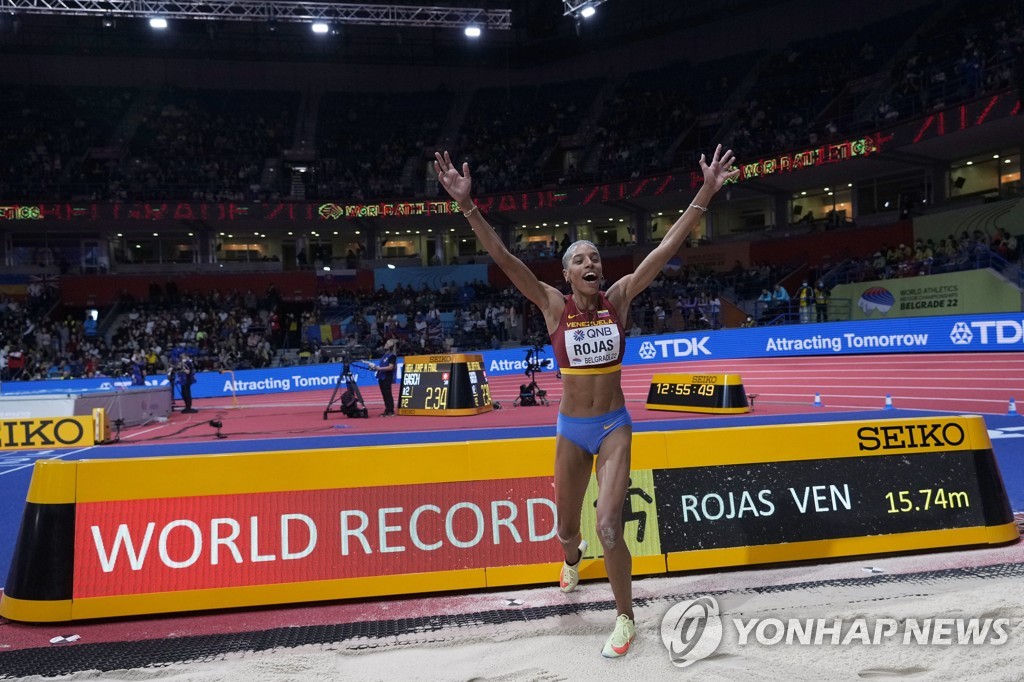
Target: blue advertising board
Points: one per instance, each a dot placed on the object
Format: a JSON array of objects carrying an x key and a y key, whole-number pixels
[
  {"x": 208, "y": 384},
  {"x": 954, "y": 333}
]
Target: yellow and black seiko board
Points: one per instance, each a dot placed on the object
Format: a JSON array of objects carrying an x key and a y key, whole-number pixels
[
  {"x": 54, "y": 432},
  {"x": 830, "y": 489},
  {"x": 444, "y": 385},
  {"x": 103, "y": 538},
  {"x": 711, "y": 393}
]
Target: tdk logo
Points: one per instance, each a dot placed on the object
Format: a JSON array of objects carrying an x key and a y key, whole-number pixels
[
  {"x": 961, "y": 334},
  {"x": 674, "y": 348},
  {"x": 1001, "y": 332}
]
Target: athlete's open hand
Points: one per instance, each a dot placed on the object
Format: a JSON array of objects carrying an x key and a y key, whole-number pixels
[
  {"x": 719, "y": 170},
  {"x": 458, "y": 185}
]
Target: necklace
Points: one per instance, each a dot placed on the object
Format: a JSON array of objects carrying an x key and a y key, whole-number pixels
[{"x": 589, "y": 312}]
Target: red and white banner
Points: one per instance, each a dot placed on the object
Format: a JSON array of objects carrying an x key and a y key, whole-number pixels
[{"x": 192, "y": 543}]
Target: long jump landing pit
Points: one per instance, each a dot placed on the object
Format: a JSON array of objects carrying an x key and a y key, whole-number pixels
[{"x": 541, "y": 634}]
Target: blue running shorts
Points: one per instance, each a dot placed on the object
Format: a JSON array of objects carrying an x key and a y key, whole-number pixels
[{"x": 589, "y": 432}]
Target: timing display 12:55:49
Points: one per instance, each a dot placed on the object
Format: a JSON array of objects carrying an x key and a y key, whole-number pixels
[
  {"x": 925, "y": 499},
  {"x": 685, "y": 389}
]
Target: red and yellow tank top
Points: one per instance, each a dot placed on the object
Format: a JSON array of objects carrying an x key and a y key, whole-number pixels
[{"x": 589, "y": 342}]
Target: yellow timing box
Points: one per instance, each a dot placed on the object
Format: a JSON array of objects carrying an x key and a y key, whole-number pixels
[
  {"x": 708, "y": 393},
  {"x": 103, "y": 538},
  {"x": 444, "y": 385}
]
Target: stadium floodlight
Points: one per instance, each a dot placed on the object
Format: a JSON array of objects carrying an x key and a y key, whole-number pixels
[
  {"x": 158, "y": 23},
  {"x": 580, "y": 8},
  {"x": 320, "y": 27},
  {"x": 472, "y": 31}
]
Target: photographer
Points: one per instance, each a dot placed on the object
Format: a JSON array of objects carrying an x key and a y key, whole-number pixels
[
  {"x": 136, "y": 371},
  {"x": 386, "y": 376},
  {"x": 185, "y": 376}
]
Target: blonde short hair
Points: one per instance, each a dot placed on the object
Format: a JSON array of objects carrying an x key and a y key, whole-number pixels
[{"x": 567, "y": 256}]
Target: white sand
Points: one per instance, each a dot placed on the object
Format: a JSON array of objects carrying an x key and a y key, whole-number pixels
[{"x": 568, "y": 647}]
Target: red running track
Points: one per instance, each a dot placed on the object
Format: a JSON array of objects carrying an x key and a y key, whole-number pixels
[{"x": 977, "y": 383}]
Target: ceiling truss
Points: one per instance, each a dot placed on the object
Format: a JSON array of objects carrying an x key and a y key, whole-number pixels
[
  {"x": 574, "y": 7},
  {"x": 280, "y": 11}
]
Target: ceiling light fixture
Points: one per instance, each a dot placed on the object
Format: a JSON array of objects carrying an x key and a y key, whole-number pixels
[{"x": 580, "y": 8}]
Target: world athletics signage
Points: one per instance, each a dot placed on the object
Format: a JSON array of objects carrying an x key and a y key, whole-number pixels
[
  {"x": 949, "y": 294},
  {"x": 954, "y": 333}
]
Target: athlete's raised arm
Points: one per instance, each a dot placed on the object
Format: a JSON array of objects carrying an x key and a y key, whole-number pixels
[
  {"x": 459, "y": 185},
  {"x": 715, "y": 175}
]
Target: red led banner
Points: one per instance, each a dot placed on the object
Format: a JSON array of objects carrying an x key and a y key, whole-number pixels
[
  {"x": 957, "y": 119},
  {"x": 335, "y": 211},
  {"x": 20, "y": 213},
  {"x": 192, "y": 543},
  {"x": 903, "y": 136}
]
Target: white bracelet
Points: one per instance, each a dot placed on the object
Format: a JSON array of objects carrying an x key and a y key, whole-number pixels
[
  {"x": 470, "y": 211},
  {"x": 702, "y": 209}
]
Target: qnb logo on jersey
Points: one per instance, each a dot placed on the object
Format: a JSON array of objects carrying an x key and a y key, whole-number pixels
[
  {"x": 961, "y": 334},
  {"x": 601, "y": 332},
  {"x": 674, "y": 348},
  {"x": 876, "y": 298},
  {"x": 989, "y": 332},
  {"x": 691, "y": 631}
]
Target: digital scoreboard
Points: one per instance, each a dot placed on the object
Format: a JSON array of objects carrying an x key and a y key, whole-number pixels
[
  {"x": 444, "y": 385},
  {"x": 713, "y": 393}
]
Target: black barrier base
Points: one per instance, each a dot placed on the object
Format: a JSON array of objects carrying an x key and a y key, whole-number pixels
[{"x": 55, "y": 661}]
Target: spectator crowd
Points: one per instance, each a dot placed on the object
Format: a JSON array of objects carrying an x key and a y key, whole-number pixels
[
  {"x": 136, "y": 143},
  {"x": 243, "y": 330}
]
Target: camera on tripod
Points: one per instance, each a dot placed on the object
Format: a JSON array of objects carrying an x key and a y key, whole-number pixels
[
  {"x": 531, "y": 395},
  {"x": 535, "y": 363},
  {"x": 350, "y": 402},
  {"x": 177, "y": 367},
  {"x": 346, "y": 355}
]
